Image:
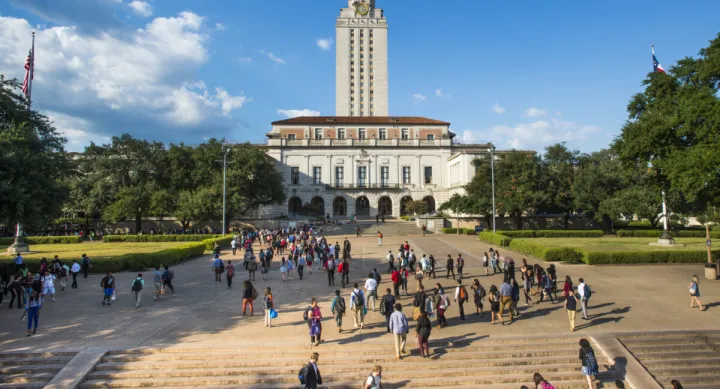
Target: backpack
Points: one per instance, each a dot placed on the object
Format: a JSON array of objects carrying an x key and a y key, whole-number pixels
[
  {"x": 137, "y": 285},
  {"x": 547, "y": 385},
  {"x": 446, "y": 301},
  {"x": 548, "y": 283},
  {"x": 357, "y": 298},
  {"x": 254, "y": 294},
  {"x": 364, "y": 385},
  {"x": 590, "y": 358},
  {"x": 302, "y": 374},
  {"x": 306, "y": 316},
  {"x": 481, "y": 291},
  {"x": 37, "y": 284},
  {"x": 231, "y": 271},
  {"x": 378, "y": 278},
  {"x": 341, "y": 305},
  {"x": 463, "y": 295},
  {"x": 588, "y": 291}
]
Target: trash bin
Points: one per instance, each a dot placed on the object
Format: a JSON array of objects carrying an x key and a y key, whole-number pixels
[
  {"x": 478, "y": 229},
  {"x": 710, "y": 271}
]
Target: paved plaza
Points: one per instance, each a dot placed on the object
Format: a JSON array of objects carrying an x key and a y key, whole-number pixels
[{"x": 206, "y": 314}]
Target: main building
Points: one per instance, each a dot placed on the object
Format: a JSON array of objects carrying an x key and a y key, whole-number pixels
[{"x": 362, "y": 161}]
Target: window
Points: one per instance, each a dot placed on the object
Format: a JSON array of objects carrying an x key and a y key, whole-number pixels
[
  {"x": 405, "y": 133},
  {"x": 291, "y": 136},
  {"x": 339, "y": 176},
  {"x": 317, "y": 175},
  {"x": 361, "y": 132},
  {"x": 294, "y": 175},
  {"x": 341, "y": 134},
  {"x": 318, "y": 133},
  {"x": 362, "y": 176},
  {"x": 431, "y": 137},
  {"x": 383, "y": 132},
  {"x": 384, "y": 176},
  {"x": 428, "y": 174},
  {"x": 406, "y": 174}
]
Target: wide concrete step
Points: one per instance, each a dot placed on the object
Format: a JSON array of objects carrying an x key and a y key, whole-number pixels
[
  {"x": 34, "y": 361},
  {"x": 20, "y": 354},
  {"x": 688, "y": 354},
  {"x": 24, "y": 385},
  {"x": 670, "y": 372},
  {"x": 564, "y": 384},
  {"x": 389, "y": 363},
  {"x": 31, "y": 369},
  {"x": 691, "y": 379},
  {"x": 669, "y": 363},
  {"x": 408, "y": 379},
  {"x": 22, "y": 378}
]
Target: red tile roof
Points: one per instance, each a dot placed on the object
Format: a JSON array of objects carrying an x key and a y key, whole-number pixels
[{"x": 351, "y": 120}]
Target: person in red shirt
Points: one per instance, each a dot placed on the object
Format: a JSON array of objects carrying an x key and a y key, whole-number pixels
[
  {"x": 340, "y": 270},
  {"x": 395, "y": 277},
  {"x": 406, "y": 246}
]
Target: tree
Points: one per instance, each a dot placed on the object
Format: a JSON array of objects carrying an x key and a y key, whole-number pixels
[
  {"x": 416, "y": 207},
  {"x": 597, "y": 178},
  {"x": 458, "y": 204},
  {"x": 560, "y": 164},
  {"x": 204, "y": 203},
  {"x": 637, "y": 200},
  {"x": 33, "y": 162},
  {"x": 253, "y": 180},
  {"x": 519, "y": 185}
]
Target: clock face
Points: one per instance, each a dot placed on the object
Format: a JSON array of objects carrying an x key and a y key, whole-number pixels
[{"x": 362, "y": 8}]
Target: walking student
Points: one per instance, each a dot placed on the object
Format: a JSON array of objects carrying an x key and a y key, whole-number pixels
[
  {"x": 461, "y": 297},
  {"x": 331, "y": 271},
  {"x": 315, "y": 318},
  {"x": 158, "y": 282},
  {"x": 371, "y": 289},
  {"x": 495, "y": 304},
  {"x": 269, "y": 304},
  {"x": 218, "y": 267},
  {"x": 387, "y": 305},
  {"x": 108, "y": 285},
  {"x": 460, "y": 265},
  {"x": 75, "y": 270},
  {"x": 229, "y": 273},
  {"x": 249, "y": 295},
  {"x": 380, "y": 236},
  {"x": 399, "y": 328},
  {"x": 478, "y": 296},
  {"x": 374, "y": 380},
  {"x": 588, "y": 361},
  {"x": 32, "y": 311},
  {"x": 423, "y": 330},
  {"x": 694, "y": 289},
  {"x": 48, "y": 281},
  {"x": 450, "y": 267},
  {"x": 85, "y": 262},
  {"x": 337, "y": 307},
  {"x": 309, "y": 374},
  {"x": 585, "y": 293},
  {"x": 571, "y": 307},
  {"x": 506, "y": 293},
  {"x": 137, "y": 286},
  {"x": 357, "y": 305},
  {"x": 167, "y": 278}
]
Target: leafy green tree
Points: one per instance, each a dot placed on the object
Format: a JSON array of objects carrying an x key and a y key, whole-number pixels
[
  {"x": 201, "y": 204},
  {"x": 520, "y": 185},
  {"x": 596, "y": 179},
  {"x": 416, "y": 207},
  {"x": 560, "y": 164},
  {"x": 33, "y": 162}
]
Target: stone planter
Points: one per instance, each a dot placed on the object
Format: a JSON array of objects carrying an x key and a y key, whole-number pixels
[{"x": 710, "y": 271}]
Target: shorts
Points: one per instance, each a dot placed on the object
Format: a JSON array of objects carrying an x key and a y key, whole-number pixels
[
  {"x": 158, "y": 286},
  {"x": 49, "y": 290},
  {"x": 589, "y": 371},
  {"x": 109, "y": 292}
]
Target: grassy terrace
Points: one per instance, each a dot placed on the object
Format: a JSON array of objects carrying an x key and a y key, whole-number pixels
[{"x": 611, "y": 243}]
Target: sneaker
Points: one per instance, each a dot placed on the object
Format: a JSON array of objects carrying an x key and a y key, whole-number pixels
[
  {"x": 53, "y": 299},
  {"x": 103, "y": 302}
]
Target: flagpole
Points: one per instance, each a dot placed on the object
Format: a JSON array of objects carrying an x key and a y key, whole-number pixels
[{"x": 32, "y": 70}]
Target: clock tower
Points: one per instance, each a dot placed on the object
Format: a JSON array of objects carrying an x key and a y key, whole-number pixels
[{"x": 361, "y": 68}]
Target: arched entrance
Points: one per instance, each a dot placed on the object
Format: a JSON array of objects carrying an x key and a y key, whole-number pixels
[
  {"x": 294, "y": 205},
  {"x": 318, "y": 205},
  {"x": 430, "y": 201},
  {"x": 385, "y": 206},
  {"x": 362, "y": 206},
  {"x": 339, "y": 206},
  {"x": 403, "y": 205}
]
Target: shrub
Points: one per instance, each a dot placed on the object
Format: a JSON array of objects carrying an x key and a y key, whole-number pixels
[
  {"x": 624, "y": 233},
  {"x": 528, "y": 247},
  {"x": 553, "y": 233},
  {"x": 565, "y": 254},
  {"x": 641, "y": 224},
  {"x": 620, "y": 223},
  {"x": 623, "y": 257},
  {"x": 657, "y": 233},
  {"x": 496, "y": 239},
  {"x": 469, "y": 231},
  {"x": 159, "y": 238},
  {"x": 6, "y": 241},
  {"x": 449, "y": 230},
  {"x": 222, "y": 241}
]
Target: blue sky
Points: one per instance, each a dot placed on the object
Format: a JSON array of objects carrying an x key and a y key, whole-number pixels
[{"x": 522, "y": 74}]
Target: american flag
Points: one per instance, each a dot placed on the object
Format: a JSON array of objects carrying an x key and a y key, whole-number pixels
[{"x": 29, "y": 73}]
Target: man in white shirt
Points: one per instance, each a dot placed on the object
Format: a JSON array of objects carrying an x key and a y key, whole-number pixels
[
  {"x": 233, "y": 245},
  {"x": 371, "y": 289},
  {"x": 425, "y": 264},
  {"x": 583, "y": 298},
  {"x": 391, "y": 261},
  {"x": 357, "y": 306},
  {"x": 374, "y": 380},
  {"x": 75, "y": 270}
]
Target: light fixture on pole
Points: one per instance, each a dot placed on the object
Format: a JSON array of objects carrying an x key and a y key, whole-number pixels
[{"x": 492, "y": 173}]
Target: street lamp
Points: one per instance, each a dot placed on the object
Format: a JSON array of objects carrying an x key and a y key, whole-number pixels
[
  {"x": 226, "y": 151},
  {"x": 491, "y": 150}
]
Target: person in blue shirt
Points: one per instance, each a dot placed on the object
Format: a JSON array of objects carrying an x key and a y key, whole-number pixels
[
  {"x": 32, "y": 308},
  {"x": 399, "y": 327},
  {"x": 217, "y": 268}
]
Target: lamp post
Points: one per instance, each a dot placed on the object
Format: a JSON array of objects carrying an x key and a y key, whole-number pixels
[
  {"x": 226, "y": 151},
  {"x": 492, "y": 173},
  {"x": 665, "y": 237}
]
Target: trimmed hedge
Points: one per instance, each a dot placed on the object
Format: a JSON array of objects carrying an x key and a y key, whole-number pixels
[
  {"x": 553, "y": 233},
  {"x": 222, "y": 241},
  {"x": 564, "y": 254},
  {"x": 6, "y": 241},
  {"x": 159, "y": 238},
  {"x": 496, "y": 239},
  {"x": 624, "y": 257},
  {"x": 657, "y": 233},
  {"x": 466, "y": 231},
  {"x": 528, "y": 247}
]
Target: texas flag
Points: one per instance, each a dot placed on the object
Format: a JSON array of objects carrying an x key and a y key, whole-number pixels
[{"x": 656, "y": 65}]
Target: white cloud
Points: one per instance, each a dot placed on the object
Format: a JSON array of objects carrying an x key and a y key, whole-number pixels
[
  {"x": 558, "y": 113},
  {"x": 143, "y": 81},
  {"x": 535, "y": 135},
  {"x": 243, "y": 59},
  {"x": 219, "y": 27},
  {"x": 76, "y": 130},
  {"x": 419, "y": 98},
  {"x": 141, "y": 8},
  {"x": 534, "y": 112},
  {"x": 498, "y": 109},
  {"x": 325, "y": 43},
  {"x": 272, "y": 57},
  {"x": 468, "y": 137},
  {"x": 439, "y": 93},
  {"x": 293, "y": 113}
]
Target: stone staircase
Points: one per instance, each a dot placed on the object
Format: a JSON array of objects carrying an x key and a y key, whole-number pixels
[
  {"x": 486, "y": 363},
  {"x": 21, "y": 370},
  {"x": 691, "y": 358},
  {"x": 370, "y": 228}
]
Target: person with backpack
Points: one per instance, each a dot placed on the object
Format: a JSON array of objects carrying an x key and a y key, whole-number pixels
[
  {"x": 337, "y": 307},
  {"x": 432, "y": 263},
  {"x": 374, "y": 380},
  {"x": 694, "y": 289},
  {"x": 229, "y": 273},
  {"x": 371, "y": 290},
  {"x": 309, "y": 374},
  {"x": 460, "y": 265},
  {"x": 158, "y": 282},
  {"x": 137, "y": 286},
  {"x": 331, "y": 271},
  {"x": 399, "y": 327},
  {"x": 404, "y": 279},
  {"x": 589, "y": 362},
  {"x": 494, "y": 299},
  {"x": 571, "y": 307},
  {"x": 423, "y": 329},
  {"x": 218, "y": 268},
  {"x": 395, "y": 277},
  {"x": 515, "y": 297},
  {"x": 450, "y": 265},
  {"x": 269, "y": 305},
  {"x": 547, "y": 288},
  {"x": 345, "y": 272},
  {"x": 541, "y": 383},
  {"x": 478, "y": 296},
  {"x": 62, "y": 274},
  {"x": 442, "y": 303},
  {"x": 585, "y": 293},
  {"x": 75, "y": 270},
  {"x": 108, "y": 285},
  {"x": 506, "y": 299},
  {"x": 461, "y": 297},
  {"x": 167, "y": 278},
  {"x": 419, "y": 302},
  {"x": 314, "y": 319},
  {"x": 386, "y": 307},
  {"x": 252, "y": 266},
  {"x": 390, "y": 261},
  {"x": 249, "y": 296},
  {"x": 48, "y": 282},
  {"x": 85, "y": 262},
  {"x": 357, "y": 305}
]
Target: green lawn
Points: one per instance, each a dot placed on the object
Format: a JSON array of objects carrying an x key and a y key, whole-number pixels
[
  {"x": 620, "y": 244},
  {"x": 94, "y": 250}
]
